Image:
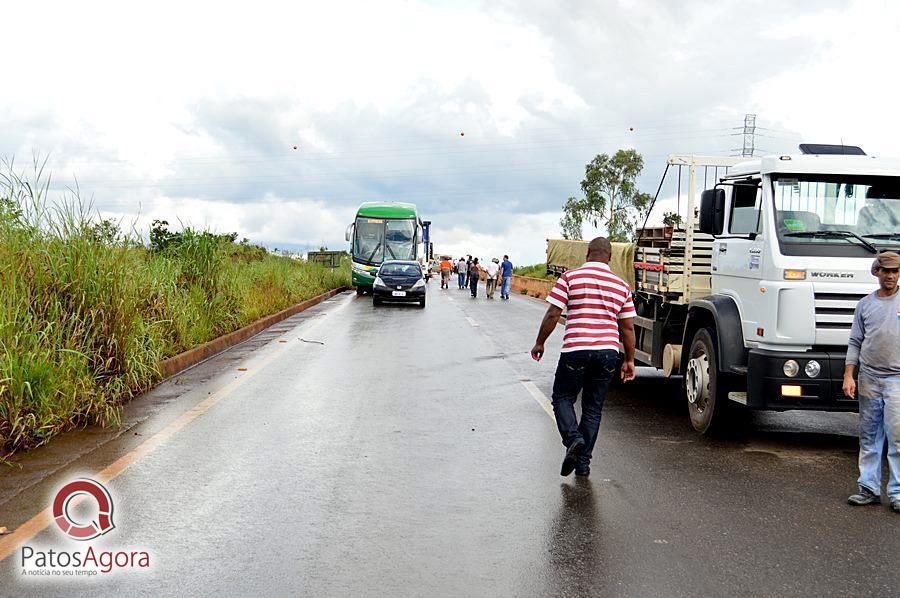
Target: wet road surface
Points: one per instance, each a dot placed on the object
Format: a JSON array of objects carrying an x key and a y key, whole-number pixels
[{"x": 400, "y": 451}]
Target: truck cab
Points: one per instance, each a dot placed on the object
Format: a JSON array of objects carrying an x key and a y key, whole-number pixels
[
  {"x": 795, "y": 237},
  {"x": 792, "y": 243}
]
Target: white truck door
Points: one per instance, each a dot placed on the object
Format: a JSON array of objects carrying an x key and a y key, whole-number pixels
[{"x": 737, "y": 254}]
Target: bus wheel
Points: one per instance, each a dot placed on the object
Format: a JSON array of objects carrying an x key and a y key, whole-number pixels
[
  {"x": 704, "y": 386},
  {"x": 360, "y": 292}
]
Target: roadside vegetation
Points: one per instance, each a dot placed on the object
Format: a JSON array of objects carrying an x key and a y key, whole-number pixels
[
  {"x": 87, "y": 312},
  {"x": 534, "y": 271}
]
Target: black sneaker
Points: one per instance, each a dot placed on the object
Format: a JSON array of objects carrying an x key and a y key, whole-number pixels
[
  {"x": 895, "y": 504},
  {"x": 583, "y": 471},
  {"x": 864, "y": 497},
  {"x": 571, "y": 458}
]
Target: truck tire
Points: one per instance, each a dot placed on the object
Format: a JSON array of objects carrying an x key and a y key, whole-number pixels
[{"x": 705, "y": 387}]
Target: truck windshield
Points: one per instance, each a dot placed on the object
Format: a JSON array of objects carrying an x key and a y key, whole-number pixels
[
  {"x": 808, "y": 208},
  {"x": 377, "y": 239}
]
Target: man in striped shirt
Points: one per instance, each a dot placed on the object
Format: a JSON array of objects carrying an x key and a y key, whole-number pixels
[{"x": 598, "y": 308}]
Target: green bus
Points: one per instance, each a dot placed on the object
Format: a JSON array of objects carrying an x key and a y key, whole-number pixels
[{"x": 383, "y": 231}]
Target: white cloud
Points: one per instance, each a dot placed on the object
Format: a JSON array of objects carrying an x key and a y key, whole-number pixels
[{"x": 190, "y": 110}]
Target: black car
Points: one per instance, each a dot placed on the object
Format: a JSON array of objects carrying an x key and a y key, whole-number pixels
[{"x": 399, "y": 280}]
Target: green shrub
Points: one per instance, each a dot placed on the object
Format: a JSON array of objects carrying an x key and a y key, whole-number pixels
[{"x": 87, "y": 313}]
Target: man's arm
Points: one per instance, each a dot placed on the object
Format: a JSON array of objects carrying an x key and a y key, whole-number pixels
[
  {"x": 548, "y": 325},
  {"x": 854, "y": 344},
  {"x": 626, "y": 332}
]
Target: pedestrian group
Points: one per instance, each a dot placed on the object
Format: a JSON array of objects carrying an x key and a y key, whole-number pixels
[{"x": 470, "y": 271}]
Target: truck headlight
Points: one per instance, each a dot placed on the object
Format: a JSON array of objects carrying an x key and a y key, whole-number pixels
[
  {"x": 812, "y": 368},
  {"x": 791, "y": 368}
]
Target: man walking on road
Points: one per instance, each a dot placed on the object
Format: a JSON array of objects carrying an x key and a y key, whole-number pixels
[
  {"x": 461, "y": 269},
  {"x": 874, "y": 349},
  {"x": 599, "y": 308},
  {"x": 506, "y": 269},
  {"x": 446, "y": 266},
  {"x": 474, "y": 275},
  {"x": 491, "y": 270}
]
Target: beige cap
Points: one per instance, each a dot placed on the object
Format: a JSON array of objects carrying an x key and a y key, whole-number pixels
[{"x": 888, "y": 259}]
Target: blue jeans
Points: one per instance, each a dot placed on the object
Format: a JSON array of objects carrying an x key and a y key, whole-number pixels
[
  {"x": 462, "y": 280},
  {"x": 590, "y": 373},
  {"x": 879, "y": 418},
  {"x": 504, "y": 287}
]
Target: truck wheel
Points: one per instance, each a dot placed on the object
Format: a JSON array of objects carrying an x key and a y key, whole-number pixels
[{"x": 704, "y": 387}]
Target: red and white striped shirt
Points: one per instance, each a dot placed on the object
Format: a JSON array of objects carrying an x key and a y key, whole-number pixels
[{"x": 595, "y": 300}]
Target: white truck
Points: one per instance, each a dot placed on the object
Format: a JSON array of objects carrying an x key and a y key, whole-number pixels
[{"x": 753, "y": 304}]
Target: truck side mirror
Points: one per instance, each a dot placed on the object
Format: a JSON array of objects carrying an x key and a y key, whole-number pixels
[
  {"x": 349, "y": 233},
  {"x": 712, "y": 211}
]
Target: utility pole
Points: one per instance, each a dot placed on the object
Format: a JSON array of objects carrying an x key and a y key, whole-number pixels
[{"x": 749, "y": 134}]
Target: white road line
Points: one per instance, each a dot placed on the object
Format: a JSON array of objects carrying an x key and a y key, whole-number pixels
[
  {"x": 538, "y": 396},
  {"x": 472, "y": 322}
]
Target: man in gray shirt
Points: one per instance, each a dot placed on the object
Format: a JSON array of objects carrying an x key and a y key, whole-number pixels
[{"x": 874, "y": 349}]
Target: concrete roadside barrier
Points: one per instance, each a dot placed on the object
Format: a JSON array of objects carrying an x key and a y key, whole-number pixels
[
  {"x": 182, "y": 361},
  {"x": 534, "y": 287}
]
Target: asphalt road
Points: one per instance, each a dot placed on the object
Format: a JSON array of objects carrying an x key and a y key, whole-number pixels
[{"x": 398, "y": 451}]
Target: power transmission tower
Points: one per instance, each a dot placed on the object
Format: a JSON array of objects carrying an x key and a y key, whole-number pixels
[{"x": 749, "y": 134}]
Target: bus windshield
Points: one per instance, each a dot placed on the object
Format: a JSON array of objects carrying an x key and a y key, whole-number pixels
[{"x": 377, "y": 239}]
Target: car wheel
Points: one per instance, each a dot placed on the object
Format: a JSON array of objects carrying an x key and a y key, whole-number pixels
[
  {"x": 421, "y": 303},
  {"x": 376, "y": 301}
]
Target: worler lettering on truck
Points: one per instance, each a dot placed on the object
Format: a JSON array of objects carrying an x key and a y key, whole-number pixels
[{"x": 753, "y": 303}]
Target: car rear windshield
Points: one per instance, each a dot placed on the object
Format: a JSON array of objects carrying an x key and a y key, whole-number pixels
[{"x": 400, "y": 270}]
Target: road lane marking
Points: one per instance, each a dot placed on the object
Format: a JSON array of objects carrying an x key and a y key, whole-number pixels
[
  {"x": 39, "y": 522},
  {"x": 472, "y": 322},
  {"x": 540, "y": 397}
]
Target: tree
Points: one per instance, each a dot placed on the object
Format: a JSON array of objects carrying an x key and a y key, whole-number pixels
[
  {"x": 572, "y": 220},
  {"x": 611, "y": 198},
  {"x": 106, "y": 232},
  {"x": 672, "y": 219}
]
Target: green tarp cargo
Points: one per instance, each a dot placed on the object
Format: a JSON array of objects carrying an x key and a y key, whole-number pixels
[{"x": 563, "y": 254}]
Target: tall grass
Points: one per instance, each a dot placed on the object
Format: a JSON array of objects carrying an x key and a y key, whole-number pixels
[
  {"x": 533, "y": 271},
  {"x": 86, "y": 317}
]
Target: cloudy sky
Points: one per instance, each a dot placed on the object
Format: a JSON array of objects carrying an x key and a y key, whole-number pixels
[{"x": 191, "y": 112}]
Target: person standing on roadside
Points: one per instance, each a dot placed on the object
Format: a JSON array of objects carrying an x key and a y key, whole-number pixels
[
  {"x": 468, "y": 265},
  {"x": 474, "y": 275},
  {"x": 491, "y": 271},
  {"x": 506, "y": 270},
  {"x": 599, "y": 311},
  {"x": 874, "y": 351},
  {"x": 461, "y": 270},
  {"x": 446, "y": 266}
]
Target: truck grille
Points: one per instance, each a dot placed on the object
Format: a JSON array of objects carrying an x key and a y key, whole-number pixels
[{"x": 834, "y": 311}]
